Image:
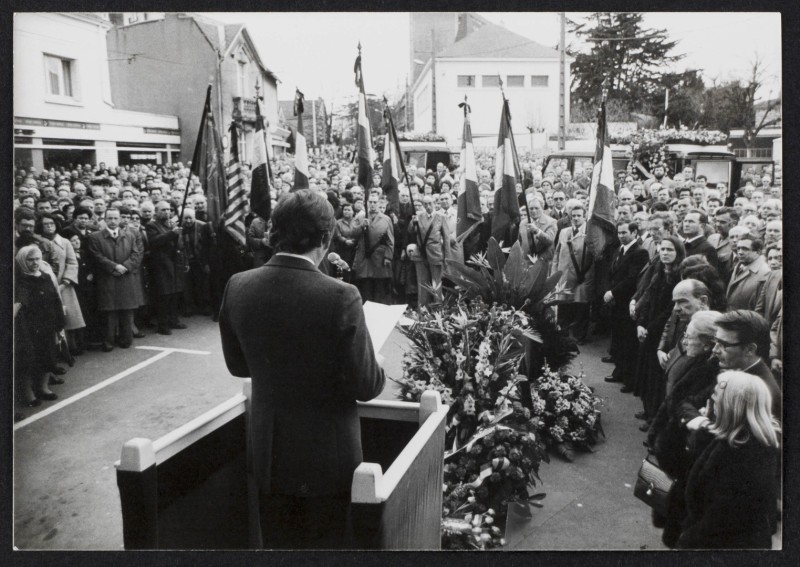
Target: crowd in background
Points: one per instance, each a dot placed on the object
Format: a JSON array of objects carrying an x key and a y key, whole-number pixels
[{"x": 690, "y": 286}]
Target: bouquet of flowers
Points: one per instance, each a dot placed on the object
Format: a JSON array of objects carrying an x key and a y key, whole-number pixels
[{"x": 567, "y": 410}]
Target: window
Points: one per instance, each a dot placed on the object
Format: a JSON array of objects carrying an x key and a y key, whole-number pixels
[
  {"x": 59, "y": 75},
  {"x": 490, "y": 80},
  {"x": 515, "y": 80},
  {"x": 466, "y": 80},
  {"x": 242, "y": 76},
  {"x": 540, "y": 80}
]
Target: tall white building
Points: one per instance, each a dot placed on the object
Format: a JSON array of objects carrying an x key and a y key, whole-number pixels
[
  {"x": 473, "y": 67},
  {"x": 63, "y": 109}
]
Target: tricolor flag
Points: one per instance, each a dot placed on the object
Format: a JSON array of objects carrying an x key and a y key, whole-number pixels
[
  {"x": 208, "y": 163},
  {"x": 260, "y": 202},
  {"x": 506, "y": 205},
  {"x": 300, "y": 150},
  {"x": 469, "y": 202},
  {"x": 600, "y": 227},
  {"x": 391, "y": 165},
  {"x": 365, "y": 152},
  {"x": 237, "y": 194}
]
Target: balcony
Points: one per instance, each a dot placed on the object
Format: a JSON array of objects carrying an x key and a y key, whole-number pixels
[{"x": 244, "y": 109}]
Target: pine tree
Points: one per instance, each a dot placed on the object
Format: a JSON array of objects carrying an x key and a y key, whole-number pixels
[{"x": 628, "y": 58}]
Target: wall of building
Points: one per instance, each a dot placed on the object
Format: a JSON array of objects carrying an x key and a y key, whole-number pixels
[
  {"x": 170, "y": 76},
  {"x": 422, "y": 98},
  {"x": 85, "y": 126},
  {"x": 534, "y": 106}
]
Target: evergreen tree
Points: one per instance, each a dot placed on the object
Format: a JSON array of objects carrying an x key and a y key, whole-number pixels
[{"x": 628, "y": 58}]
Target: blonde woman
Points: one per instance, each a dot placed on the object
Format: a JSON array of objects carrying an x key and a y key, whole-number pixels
[{"x": 731, "y": 489}]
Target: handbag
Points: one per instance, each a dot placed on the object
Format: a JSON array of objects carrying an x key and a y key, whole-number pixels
[{"x": 653, "y": 486}]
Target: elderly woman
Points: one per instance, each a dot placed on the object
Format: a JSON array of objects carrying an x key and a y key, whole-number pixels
[
  {"x": 66, "y": 276},
  {"x": 731, "y": 488},
  {"x": 38, "y": 317},
  {"x": 667, "y": 436}
]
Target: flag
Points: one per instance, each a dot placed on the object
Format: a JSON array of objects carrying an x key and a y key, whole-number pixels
[
  {"x": 469, "y": 201},
  {"x": 300, "y": 149},
  {"x": 600, "y": 226},
  {"x": 365, "y": 152},
  {"x": 208, "y": 164},
  {"x": 391, "y": 165},
  {"x": 237, "y": 195},
  {"x": 260, "y": 201},
  {"x": 506, "y": 205}
]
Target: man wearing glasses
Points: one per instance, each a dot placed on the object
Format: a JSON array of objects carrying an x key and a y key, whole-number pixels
[{"x": 750, "y": 274}]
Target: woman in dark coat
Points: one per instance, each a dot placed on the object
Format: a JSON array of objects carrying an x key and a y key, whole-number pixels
[
  {"x": 731, "y": 490},
  {"x": 656, "y": 307},
  {"x": 667, "y": 437},
  {"x": 38, "y": 317}
]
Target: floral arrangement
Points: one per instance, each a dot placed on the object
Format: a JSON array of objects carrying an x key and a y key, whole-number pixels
[
  {"x": 568, "y": 411},
  {"x": 649, "y": 146},
  {"x": 470, "y": 346},
  {"x": 420, "y": 137}
]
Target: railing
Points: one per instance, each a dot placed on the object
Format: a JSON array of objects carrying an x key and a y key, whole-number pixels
[{"x": 244, "y": 108}]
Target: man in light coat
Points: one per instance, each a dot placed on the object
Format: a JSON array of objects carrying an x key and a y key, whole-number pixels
[{"x": 750, "y": 274}]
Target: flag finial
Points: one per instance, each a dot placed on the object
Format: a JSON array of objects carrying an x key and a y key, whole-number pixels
[
  {"x": 359, "y": 47},
  {"x": 258, "y": 89},
  {"x": 500, "y": 81}
]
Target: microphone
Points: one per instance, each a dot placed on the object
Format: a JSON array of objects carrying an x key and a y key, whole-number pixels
[{"x": 337, "y": 261}]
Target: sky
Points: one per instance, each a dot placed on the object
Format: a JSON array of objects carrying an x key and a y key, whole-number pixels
[{"x": 722, "y": 44}]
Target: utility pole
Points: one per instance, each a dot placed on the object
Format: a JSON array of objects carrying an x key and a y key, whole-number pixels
[
  {"x": 408, "y": 103},
  {"x": 562, "y": 116},
  {"x": 433, "y": 80},
  {"x": 314, "y": 119}
]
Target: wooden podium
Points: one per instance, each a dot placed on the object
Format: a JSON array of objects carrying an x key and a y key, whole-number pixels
[{"x": 191, "y": 489}]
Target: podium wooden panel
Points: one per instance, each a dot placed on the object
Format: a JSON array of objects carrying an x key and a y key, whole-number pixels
[{"x": 191, "y": 490}]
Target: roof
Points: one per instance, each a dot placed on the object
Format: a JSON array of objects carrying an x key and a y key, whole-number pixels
[
  {"x": 231, "y": 31},
  {"x": 491, "y": 41}
]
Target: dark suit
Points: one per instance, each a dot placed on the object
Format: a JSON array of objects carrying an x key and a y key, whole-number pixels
[
  {"x": 624, "y": 274},
  {"x": 703, "y": 246},
  {"x": 167, "y": 262},
  {"x": 301, "y": 336}
]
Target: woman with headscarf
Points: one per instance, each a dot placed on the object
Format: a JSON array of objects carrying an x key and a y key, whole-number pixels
[
  {"x": 731, "y": 489},
  {"x": 667, "y": 437},
  {"x": 38, "y": 317},
  {"x": 656, "y": 307},
  {"x": 66, "y": 276}
]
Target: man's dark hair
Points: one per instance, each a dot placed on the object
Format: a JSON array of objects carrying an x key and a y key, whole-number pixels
[
  {"x": 633, "y": 226},
  {"x": 758, "y": 244},
  {"x": 301, "y": 221},
  {"x": 123, "y": 210},
  {"x": 578, "y": 207},
  {"x": 80, "y": 210},
  {"x": 750, "y": 327},
  {"x": 734, "y": 214},
  {"x": 703, "y": 216},
  {"x": 667, "y": 221},
  {"x": 659, "y": 207},
  {"x": 23, "y": 213}
]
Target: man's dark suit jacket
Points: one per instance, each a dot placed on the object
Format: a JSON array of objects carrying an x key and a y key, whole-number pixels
[
  {"x": 301, "y": 336},
  {"x": 704, "y": 247},
  {"x": 624, "y": 274}
]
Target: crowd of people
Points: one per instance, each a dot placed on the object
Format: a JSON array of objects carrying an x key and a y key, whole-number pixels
[{"x": 690, "y": 290}]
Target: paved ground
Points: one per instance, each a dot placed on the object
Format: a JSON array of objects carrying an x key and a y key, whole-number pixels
[{"x": 65, "y": 493}]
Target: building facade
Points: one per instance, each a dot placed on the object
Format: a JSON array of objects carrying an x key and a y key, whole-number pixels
[
  {"x": 164, "y": 63},
  {"x": 64, "y": 109},
  {"x": 474, "y": 67}
]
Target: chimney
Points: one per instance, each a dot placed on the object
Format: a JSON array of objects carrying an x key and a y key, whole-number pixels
[{"x": 463, "y": 27}]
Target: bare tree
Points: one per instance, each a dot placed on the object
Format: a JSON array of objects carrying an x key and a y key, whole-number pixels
[{"x": 744, "y": 100}]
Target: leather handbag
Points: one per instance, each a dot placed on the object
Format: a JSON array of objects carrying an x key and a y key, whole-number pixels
[{"x": 653, "y": 485}]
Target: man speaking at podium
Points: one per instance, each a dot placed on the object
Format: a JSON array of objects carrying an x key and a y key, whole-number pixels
[{"x": 301, "y": 336}]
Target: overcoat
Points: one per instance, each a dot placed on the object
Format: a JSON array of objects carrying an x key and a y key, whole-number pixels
[
  {"x": 115, "y": 293},
  {"x": 67, "y": 264},
  {"x": 166, "y": 258},
  {"x": 746, "y": 283},
  {"x": 567, "y": 260},
  {"x": 375, "y": 245}
]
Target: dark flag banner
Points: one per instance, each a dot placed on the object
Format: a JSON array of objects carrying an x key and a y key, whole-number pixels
[
  {"x": 300, "y": 148},
  {"x": 208, "y": 164},
  {"x": 469, "y": 201},
  {"x": 600, "y": 227},
  {"x": 391, "y": 165},
  {"x": 365, "y": 151},
  {"x": 237, "y": 194},
  {"x": 506, "y": 205},
  {"x": 260, "y": 202}
]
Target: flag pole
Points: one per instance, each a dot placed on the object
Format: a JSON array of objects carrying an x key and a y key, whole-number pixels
[
  {"x": 388, "y": 115},
  {"x": 517, "y": 168},
  {"x": 196, "y": 155}
]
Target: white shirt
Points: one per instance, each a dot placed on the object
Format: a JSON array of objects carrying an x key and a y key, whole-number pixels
[
  {"x": 626, "y": 247},
  {"x": 113, "y": 233}
]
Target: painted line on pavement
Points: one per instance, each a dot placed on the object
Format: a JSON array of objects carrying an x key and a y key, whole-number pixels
[
  {"x": 93, "y": 389},
  {"x": 183, "y": 350}
]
